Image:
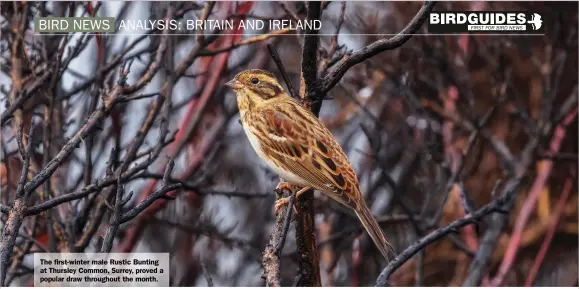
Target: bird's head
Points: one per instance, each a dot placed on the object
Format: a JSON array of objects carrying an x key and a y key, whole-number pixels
[{"x": 255, "y": 87}]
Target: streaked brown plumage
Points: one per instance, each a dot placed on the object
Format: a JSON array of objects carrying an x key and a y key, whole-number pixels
[{"x": 298, "y": 147}]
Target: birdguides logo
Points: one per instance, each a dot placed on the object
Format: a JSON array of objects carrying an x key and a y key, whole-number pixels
[{"x": 486, "y": 22}]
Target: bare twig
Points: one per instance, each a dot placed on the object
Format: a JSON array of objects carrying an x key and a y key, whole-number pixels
[
  {"x": 453, "y": 227},
  {"x": 251, "y": 40},
  {"x": 381, "y": 45},
  {"x": 289, "y": 11},
  {"x": 120, "y": 219},
  {"x": 280, "y": 67},
  {"x": 286, "y": 225},
  {"x": 16, "y": 214},
  {"x": 497, "y": 221},
  {"x": 159, "y": 194},
  {"x": 90, "y": 125},
  {"x": 327, "y": 61}
]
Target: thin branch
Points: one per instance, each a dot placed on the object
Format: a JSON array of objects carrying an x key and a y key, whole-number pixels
[
  {"x": 498, "y": 221},
  {"x": 381, "y": 45},
  {"x": 327, "y": 61},
  {"x": 289, "y": 11},
  {"x": 281, "y": 68},
  {"x": 95, "y": 187},
  {"x": 211, "y": 232},
  {"x": 254, "y": 39},
  {"x": 92, "y": 123},
  {"x": 550, "y": 233},
  {"x": 543, "y": 174},
  {"x": 453, "y": 227},
  {"x": 286, "y": 225},
  {"x": 159, "y": 194},
  {"x": 16, "y": 214}
]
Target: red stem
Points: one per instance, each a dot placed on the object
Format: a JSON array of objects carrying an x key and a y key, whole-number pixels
[
  {"x": 100, "y": 48},
  {"x": 550, "y": 233},
  {"x": 543, "y": 172}
]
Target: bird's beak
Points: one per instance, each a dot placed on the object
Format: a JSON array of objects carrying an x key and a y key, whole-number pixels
[{"x": 234, "y": 84}]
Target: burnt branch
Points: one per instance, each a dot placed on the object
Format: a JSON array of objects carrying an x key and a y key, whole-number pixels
[
  {"x": 309, "y": 91},
  {"x": 161, "y": 193},
  {"x": 308, "y": 256},
  {"x": 270, "y": 258}
]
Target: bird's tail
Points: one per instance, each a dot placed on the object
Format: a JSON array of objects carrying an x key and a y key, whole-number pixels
[{"x": 374, "y": 230}]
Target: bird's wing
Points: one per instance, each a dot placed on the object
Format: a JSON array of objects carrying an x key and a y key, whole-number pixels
[{"x": 293, "y": 138}]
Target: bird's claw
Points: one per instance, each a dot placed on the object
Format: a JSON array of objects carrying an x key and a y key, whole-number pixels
[
  {"x": 283, "y": 186},
  {"x": 282, "y": 202}
]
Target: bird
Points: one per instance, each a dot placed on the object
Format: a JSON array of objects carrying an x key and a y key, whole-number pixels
[{"x": 295, "y": 144}]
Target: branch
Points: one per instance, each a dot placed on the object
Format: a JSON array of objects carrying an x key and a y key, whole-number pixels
[
  {"x": 254, "y": 39},
  {"x": 213, "y": 233},
  {"x": 270, "y": 257},
  {"x": 288, "y": 217},
  {"x": 197, "y": 189},
  {"x": 453, "y": 227},
  {"x": 155, "y": 65},
  {"x": 308, "y": 259},
  {"x": 272, "y": 252},
  {"x": 18, "y": 28},
  {"x": 327, "y": 61},
  {"x": 280, "y": 67},
  {"x": 95, "y": 187},
  {"x": 121, "y": 57},
  {"x": 24, "y": 95},
  {"x": 16, "y": 214},
  {"x": 497, "y": 222},
  {"x": 381, "y": 45},
  {"x": 309, "y": 90},
  {"x": 289, "y": 11},
  {"x": 93, "y": 122},
  {"x": 159, "y": 194}
]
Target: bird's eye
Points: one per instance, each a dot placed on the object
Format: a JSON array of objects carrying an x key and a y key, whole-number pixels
[{"x": 255, "y": 80}]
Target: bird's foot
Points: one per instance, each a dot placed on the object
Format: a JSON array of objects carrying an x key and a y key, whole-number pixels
[
  {"x": 283, "y": 186},
  {"x": 281, "y": 203},
  {"x": 284, "y": 201}
]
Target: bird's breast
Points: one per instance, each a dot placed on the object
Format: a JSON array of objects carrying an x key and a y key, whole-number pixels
[{"x": 257, "y": 146}]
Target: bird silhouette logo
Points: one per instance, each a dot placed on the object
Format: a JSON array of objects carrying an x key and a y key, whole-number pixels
[{"x": 536, "y": 21}]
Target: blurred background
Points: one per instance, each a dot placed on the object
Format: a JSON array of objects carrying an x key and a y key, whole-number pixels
[{"x": 435, "y": 129}]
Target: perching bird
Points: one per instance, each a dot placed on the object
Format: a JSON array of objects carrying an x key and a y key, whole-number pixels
[{"x": 298, "y": 147}]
